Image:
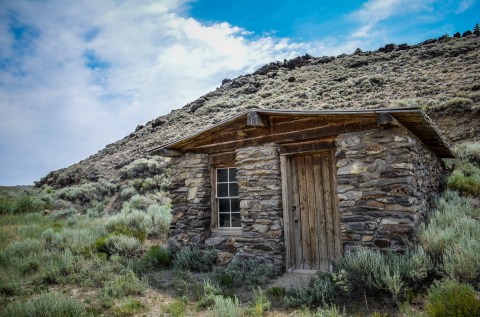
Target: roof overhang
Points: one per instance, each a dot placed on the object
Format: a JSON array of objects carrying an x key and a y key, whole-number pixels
[{"x": 413, "y": 118}]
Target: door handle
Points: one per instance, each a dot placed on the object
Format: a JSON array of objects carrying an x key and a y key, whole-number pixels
[{"x": 294, "y": 213}]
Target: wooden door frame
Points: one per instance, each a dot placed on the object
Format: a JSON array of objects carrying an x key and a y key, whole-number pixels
[{"x": 286, "y": 204}]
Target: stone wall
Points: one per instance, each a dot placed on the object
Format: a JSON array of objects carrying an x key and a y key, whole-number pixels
[
  {"x": 385, "y": 182},
  {"x": 260, "y": 191},
  {"x": 190, "y": 191}
]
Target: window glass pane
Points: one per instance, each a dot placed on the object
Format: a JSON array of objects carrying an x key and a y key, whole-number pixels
[
  {"x": 224, "y": 220},
  {"x": 222, "y": 175},
  {"x": 235, "y": 205},
  {"x": 236, "y": 220},
  {"x": 224, "y": 205},
  {"x": 232, "y": 174},
  {"x": 222, "y": 190},
  {"x": 233, "y": 189}
]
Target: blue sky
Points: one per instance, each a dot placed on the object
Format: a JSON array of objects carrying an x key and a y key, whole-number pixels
[{"x": 78, "y": 75}]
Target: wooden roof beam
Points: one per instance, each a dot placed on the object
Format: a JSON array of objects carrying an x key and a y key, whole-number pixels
[
  {"x": 386, "y": 120},
  {"x": 256, "y": 120}
]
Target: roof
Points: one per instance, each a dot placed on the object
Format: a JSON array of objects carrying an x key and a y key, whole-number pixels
[{"x": 413, "y": 118}]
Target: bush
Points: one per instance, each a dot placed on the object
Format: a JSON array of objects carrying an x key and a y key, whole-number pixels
[
  {"x": 319, "y": 291},
  {"x": 469, "y": 152},
  {"x": 191, "y": 258},
  {"x": 175, "y": 309},
  {"x": 27, "y": 203},
  {"x": 226, "y": 307},
  {"x": 128, "y": 192},
  {"x": 79, "y": 241},
  {"x": 161, "y": 218},
  {"x": 47, "y": 304},
  {"x": 125, "y": 285},
  {"x": 330, "y": 311},
  {"x": 451, "y": 298},
  {"x": 142, "y": 168},
  {"x": 210, "y": 291},
  {"x": 241, "y": 272},
  {"x": 120, "y": 245},
  {"x": 20, "y": 250},
  {"x": 261, "y": 304},
  {"x": 465, "y": 179},
  {"x": 157, "y": 257},
  {"x": 7, "y": 205},
  {"x": 461, "y": 260},
  {"x": 369, "y": 270}
]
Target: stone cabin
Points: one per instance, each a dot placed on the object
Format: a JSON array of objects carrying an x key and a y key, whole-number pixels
[{"x": 297, "y": 188}]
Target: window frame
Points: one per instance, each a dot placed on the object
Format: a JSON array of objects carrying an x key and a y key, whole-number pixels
[{"x": 215, "y": 224}]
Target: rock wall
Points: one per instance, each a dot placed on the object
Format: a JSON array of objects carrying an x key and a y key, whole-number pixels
[
  {"x": 260, "y": 191},
  {"x": 385, "y": 182},
  {"x": 190, "y": 192}
]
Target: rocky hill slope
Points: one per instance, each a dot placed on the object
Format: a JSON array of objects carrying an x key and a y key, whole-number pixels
[{"x": 441, "y": 75}]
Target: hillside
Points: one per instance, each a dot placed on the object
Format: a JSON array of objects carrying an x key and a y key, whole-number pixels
[{"x": 441, "y": 75}]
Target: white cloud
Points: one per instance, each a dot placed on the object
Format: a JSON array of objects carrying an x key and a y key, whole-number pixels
[
  {"x": 375, "y": 11},
  {"x": 56, "y": 110}
]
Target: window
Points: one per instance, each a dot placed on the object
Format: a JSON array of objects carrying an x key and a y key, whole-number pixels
[{"x": 228, "y": 203}]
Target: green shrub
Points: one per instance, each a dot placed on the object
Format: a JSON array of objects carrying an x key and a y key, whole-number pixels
[
  {"x": 161, "y": 218},
  {"x": 125, "y": 285},
  {"x": 451, "y": 298},
  {"x": 27, "y": 203},
  {"x": 226, "y": 307},
  {"x": 466, "y": 180},
  {"x": 128, "y": 192},
  {"x": 461, "y": 260},
  {"x": 135, "y": 203},
  {"x": 19, "y": 250},
  {"x": 330, "y": 311},
  {"x": 241, "y": 272},
  {"x": 47, "y": 304},
  {"x": 175, "y": 309},
  {"x": 468, "y": 152},
  {"x": 137, "y": 223},
  {"x": 261, "y": 304},
  {"x": 210, "y": 290},
  {"x": 142, "y": 168},
  {"x": 7, "y": 205},
  {"x": 191, "y": 258},
  {"x": 79, "y": 241},
  {"x": 129, "y": 308},
  {"x": 319, "y": 291},
  {"x": 370, "y": 270},
  {"x": 158, "y": 257},
  {"x": 121, "y": 245}
]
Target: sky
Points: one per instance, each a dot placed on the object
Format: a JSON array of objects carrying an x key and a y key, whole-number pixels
[{"x": 78, "y": 75}]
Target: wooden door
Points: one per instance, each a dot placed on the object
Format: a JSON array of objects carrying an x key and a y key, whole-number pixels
[{"x": 310, "y": 211}]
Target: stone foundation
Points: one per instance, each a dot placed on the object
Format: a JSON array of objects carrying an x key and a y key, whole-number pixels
[{"x": 385, "y": 182}]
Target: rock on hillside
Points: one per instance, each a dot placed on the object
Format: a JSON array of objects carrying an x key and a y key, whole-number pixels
[{"x": 442, "y": 75}]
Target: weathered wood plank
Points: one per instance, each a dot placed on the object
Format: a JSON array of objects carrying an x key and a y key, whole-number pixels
[
  {"x": 326, "y": 166},
  {"x": 302, "y": 191},
  {"x": 320, "y": 204},
  {"x": 315, "y": 145},
  {"x": 304, "y": 135},
  {"x": 297, "y": 232},
  {"x": 287, "y": 213},
  {"x": 311, "y": 211}
]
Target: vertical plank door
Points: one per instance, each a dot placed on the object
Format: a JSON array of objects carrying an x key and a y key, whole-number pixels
[{"x": 313, "y": 219}]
